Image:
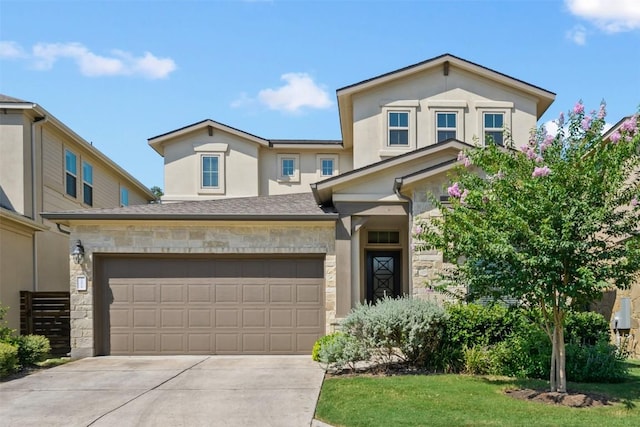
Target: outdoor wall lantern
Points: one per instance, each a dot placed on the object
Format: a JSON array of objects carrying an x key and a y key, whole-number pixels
[{"x": 78, "y": 252}]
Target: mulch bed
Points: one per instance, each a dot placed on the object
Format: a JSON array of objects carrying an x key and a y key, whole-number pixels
[{"x": 571, "y": 399}]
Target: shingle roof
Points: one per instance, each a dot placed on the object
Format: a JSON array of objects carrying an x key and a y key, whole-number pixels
[
  {"x": 6, "y": 98},
  {"x": 299, "y": 206}
]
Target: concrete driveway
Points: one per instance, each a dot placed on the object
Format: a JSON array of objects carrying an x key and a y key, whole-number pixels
[{"x": 166, "y": 391}]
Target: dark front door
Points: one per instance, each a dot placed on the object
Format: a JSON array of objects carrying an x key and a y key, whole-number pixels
[{"x": 383, "y": 275}]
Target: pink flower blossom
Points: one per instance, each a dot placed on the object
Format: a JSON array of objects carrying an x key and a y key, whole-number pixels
[
  {"x": 548, "y": 140},
  {"x": 586, "y": 123},
  {"x": 531, "y": 154},
  {"x": 578, "y": 108},
  {"x": 454, "y": 190},
  {"x": 560, "y": 120},
  {"x": 539, "y": 159},
  {"x": 465, "y": 160},
  {"x": 615, "y": 137},
  {"x": 543, "y": 171},
  {"x": 634, "y": 201},
  {"x": 602, "y": 113},
  {"x": 629, "y": 125},
  {"x": 464, "y": 195},
  {"x": 417, "y": 229}
]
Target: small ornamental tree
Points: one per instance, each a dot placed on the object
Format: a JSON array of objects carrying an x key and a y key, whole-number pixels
[{"x": 552, "y": 223}]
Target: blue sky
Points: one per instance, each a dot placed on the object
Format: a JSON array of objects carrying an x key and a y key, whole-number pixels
[{"x": 120, "y": 72}]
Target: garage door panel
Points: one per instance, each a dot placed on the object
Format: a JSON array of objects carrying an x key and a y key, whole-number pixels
[
  {"x": 207, "y": 313},
  {"x": 172, "y": 317},
  {"x": 254, "y": 318},
  {"x": 200, "y": 318},
  {"x": 281, "y": 343},
  {"x": 254, "y": 343},
  {"x": 281, "y": 318},
  {"x": 227, "y": 318},
  {"x": 202, "y": 293},
  {"x": 173, "y": 293},
  {"x": 281, "y": 294},
  {"x": 227, "y": 293}
]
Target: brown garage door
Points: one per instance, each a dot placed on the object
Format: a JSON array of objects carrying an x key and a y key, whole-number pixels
[{"x": 210, "y": 306}]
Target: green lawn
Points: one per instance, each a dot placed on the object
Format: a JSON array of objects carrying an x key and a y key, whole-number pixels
[{"x": 460, "y": 400}]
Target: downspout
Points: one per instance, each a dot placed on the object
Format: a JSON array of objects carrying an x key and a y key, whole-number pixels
[
  {"x": 397, "y": 185},
  {"x": 37, "y": 121}
]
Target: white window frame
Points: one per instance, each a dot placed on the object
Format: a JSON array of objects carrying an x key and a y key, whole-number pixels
[
  {"x": 296, "y": 167},
  {"x": 124, "y": 191},
  {"x": 210, "y": 150},
  {"x": 319, "y": 160},
  {"x": 391, "y": 128},
  {"x": 494, "y": 107},
  {"x": 486, "y": 129},
  {"x": 68, "y": 173},
  {"x": 436, "y": 106},
  {"x": 88, "y": 183},
  {"x": 402, "y": 106},
  {"x": 453, "y": 129},
  {"x": 217, "y": 171}
]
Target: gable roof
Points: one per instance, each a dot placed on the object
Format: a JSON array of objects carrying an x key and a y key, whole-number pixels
[
  {"x": 323, "y": 190},
  {"x": 285, "y": 207},
  {"x": 545, "y": 97},
  {"x": 39, "y": 113}
]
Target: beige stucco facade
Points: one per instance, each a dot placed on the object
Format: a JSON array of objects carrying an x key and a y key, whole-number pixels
[{"x": 32, "y": 180}]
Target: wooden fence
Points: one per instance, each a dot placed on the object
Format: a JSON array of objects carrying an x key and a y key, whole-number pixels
[{"x": 48, "y": 314}]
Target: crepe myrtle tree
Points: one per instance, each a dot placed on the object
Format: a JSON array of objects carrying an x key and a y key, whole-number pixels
[{"x": 552, "y": 223}]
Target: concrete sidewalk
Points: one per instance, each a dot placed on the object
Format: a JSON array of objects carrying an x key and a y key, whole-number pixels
[{"x": 166, "y": 391}]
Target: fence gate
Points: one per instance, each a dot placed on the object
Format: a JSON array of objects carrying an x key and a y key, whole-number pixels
[{"x": 48, "y": 314}]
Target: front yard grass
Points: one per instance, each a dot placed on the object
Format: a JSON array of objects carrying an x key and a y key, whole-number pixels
[{"x": 461, "y": 400}]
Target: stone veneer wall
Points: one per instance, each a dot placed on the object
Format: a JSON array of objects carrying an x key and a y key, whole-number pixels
[
  {"x": 178, "y": 238},
  {"x": 427, "y": 265}
]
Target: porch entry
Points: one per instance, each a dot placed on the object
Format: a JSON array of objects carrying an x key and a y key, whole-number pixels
[{"x": 383, "y": 275}]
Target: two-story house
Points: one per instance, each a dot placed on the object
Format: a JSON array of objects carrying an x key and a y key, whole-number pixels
[
  {"x": 261, "y": 245},
  {"x": 45, "y": 166}
]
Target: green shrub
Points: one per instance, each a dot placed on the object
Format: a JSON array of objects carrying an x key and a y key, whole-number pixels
[
  {"x": 408, "y": 328},
  {"x": 315, "y": 352},
  {"x": 342, "y": 351},
  {"x": 586, "y": 328},
  {"x": 32, "y": 349},
  {"x": 8, "y": 359},
  {"x": 597, "y": 363},
  {"x": 479, "y": 360},
  {"x": 5, "y": 332}
]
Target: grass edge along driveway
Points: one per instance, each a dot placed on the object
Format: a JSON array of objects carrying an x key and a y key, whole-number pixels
[{"x": 464, "y": 400}]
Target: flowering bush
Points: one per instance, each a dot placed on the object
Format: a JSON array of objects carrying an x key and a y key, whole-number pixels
[{"x": 552, "y": 223}]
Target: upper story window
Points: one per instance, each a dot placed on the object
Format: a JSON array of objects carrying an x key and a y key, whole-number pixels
[
  {"x": 124, "y": 196},
  {"x": 445, "y": 126},
  {"x": 87, "y": 184},
  {"x": 289, "y": 167},
  {"x": 71, "y": 173},
  {"x": 494, "y": 128},
  {"x": 326, "y": 168},
  {"x": 210, "y": 171},
  {"x": 398, "y": 128}
]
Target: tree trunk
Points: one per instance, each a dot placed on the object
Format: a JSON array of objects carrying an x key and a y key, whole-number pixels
[{"x": 557, "y": 376}]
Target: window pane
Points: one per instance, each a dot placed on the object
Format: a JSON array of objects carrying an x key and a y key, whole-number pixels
[
  {"x": 493, "y": 120},
  {"x": 70, "y": 162},
  {"x": 393, "y": 119},
  {"x": 403, "y": 119},
  {"x": 71, "y": 185},
  {"x": 327, "y": 167},
  {"x": 495, "y": 137},
  {"x": 124, "y": 196},
  {"x": 497, "y": 120},
  {"x": 288, "y": 167},
  {"x": 398, "y": 137},
  {"x": 210, "y": 169},
  {"x": 87, "y": 173},
  {"x": 446, "y": 120},
  {"x": 87, "y": 194},
  {"x": 399, "y": 119},
  {"x": 444, "y": 135}
]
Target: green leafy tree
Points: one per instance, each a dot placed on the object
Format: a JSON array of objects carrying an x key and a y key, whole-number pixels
[
  {"x": 552, "y": 223},
  {"x": 157, "y": 192}
]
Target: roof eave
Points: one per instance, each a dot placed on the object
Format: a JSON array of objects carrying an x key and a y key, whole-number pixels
[{"x": 67, "y": 218}]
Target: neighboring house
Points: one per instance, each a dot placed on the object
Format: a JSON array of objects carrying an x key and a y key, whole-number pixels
[
  {"x": 278, "y": 240},
  {"x": 45, "y": 166}
]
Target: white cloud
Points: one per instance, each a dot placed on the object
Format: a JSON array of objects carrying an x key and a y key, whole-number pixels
[
  {"x": 300, "y": 91},
  {"x": 578, "y": 35},
  {"x": 10, "y": 50},
  {"x": 612, "y": 16},
  {"x": 119, "y": 63}
]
